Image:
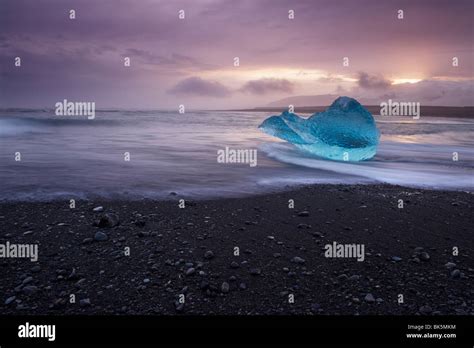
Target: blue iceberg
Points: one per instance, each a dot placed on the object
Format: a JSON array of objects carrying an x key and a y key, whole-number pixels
[{"x": 346, "y": 131}]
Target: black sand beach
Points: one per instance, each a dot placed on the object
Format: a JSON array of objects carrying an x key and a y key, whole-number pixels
[{"x": 190, "y": 251}]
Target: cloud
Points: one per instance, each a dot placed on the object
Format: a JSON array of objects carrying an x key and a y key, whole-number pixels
[
  {"x": 367, "y": 81},
  {"x": 341, "y": 90},
  {"x": 426, "y": 92},
  {"x": 173, "y": 60},
  {"x": 198, "y": 87},
  {"x": 268, "y": 85},
  {"x": 435, "y": 92}
]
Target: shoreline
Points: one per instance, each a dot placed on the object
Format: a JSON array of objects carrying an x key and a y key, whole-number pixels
[
  {"x": 191, "y": 251},
  {"x": 427, "y": 110},
  {"x": 172, "y": 196}
]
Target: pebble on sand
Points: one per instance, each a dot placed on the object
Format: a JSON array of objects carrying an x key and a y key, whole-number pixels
[
  {"x": 450, "y": 265},
  {"x": 108, "y": 220},
  {"x": 369, "y": 298},
  {"x": 100, "y": 236},
  {"x": 208, "y": 255},
  {"x": 85, "y": 302},
  {"x": 225, "y": 287},
  {"x": 190, "y": 271},
  {"x": 255, "y": 271},
  {"x": 424, "y": 256},
  {"x": 456, "y": 274},
  {"x": 9, "y": 300},
  {"x": 298, "y": 260}
]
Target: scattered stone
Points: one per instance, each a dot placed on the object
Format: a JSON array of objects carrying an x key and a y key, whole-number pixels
[
  {"x": 179, "y": 306},
  {"x": 303, "y": 213},
  {"x": 208, "y": 255},
  {"x": 255, "y": 271},
  {"x": 98, "y": 209},
  {"x": 190, "y": 271},
  {"x": 87, "y": 240},
  {"x": 450, "y": 265},
  {"x": 298, "y": 260},
  {"x": 9, "y": 300},
  {"x": 80, "y": 282},
  {"x": 342, "y": 277},
  {"x": 73, "y": 275},
  {"x": 424, "y": 256},
  {"x": 27, "y": 280},
  {"x": 317, "y": 234},
  {"x": 396, "y": 258},
  {"x": 225, "y": 287},
  {"x": 242, "y": 286},
  {"x": 369, "y": 298},
  {"x": 146, "y": 280},
  {"x": 100, "y": 236},
  {"x": 304, "y": 226},
  {"x": 85, "y": 302},
  {"x": 456, "y": 274},
  {"x": 234, "y": 265},
  {"x": 30, "y": 290},
  {"x": 108, "y": 220}
]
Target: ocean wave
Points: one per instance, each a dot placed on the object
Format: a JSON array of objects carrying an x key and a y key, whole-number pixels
[
  {"x": 10, "y": 126},
  {"x": 423, "y": 166}
]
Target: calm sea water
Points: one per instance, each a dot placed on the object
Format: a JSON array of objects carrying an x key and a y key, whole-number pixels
[{"x": 72, "y": 157}]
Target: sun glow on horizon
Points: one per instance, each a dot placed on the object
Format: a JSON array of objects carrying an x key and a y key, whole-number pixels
[
  {"x": 291, "y": 74},
  {"x": 400, "y": 81}
]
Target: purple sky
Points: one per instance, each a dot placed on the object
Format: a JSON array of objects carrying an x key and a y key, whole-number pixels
[{"x": 191, "y": 61}]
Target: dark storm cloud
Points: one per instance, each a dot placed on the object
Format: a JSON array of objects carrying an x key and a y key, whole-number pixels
[
  {"x": 165, "y": 50},
  {"x": 171, "y": 60},
  {"x": 264, "y": 86},
  {"x": 372, "y": 81},
  {"x": 195, "y": 86}
]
